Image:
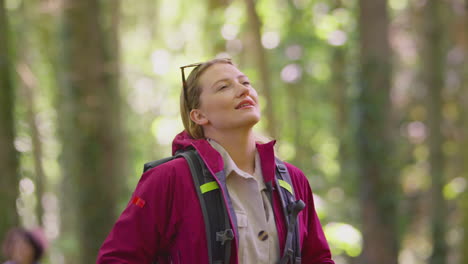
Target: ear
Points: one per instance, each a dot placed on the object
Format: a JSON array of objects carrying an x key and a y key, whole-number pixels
[{"x": 198, "y": 117}]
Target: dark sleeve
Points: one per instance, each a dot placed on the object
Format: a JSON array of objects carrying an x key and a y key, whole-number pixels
[{"x": 143, "y": 230}]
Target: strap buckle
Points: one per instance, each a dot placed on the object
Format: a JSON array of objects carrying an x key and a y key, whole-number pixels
[
  {"x": 281, "y": 168},
  {"x": 295, "y": 207},
  {"x": 225, "y": 235}
]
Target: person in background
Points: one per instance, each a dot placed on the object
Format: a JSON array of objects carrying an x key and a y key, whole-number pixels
[
  {"x": 163, "y": 221},
  {"x": 22, "y": 246}
]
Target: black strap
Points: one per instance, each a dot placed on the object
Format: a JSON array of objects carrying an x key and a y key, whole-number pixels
[
  {"x": 291, "y": 208},
  {"x": 219, "y": 233},
  {"x": 156, "y": 163}
]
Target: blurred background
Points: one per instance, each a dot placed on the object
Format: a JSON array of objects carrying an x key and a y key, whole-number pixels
[{"x": 369, "y": 98}]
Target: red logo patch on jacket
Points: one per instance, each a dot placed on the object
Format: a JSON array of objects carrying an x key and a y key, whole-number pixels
[{"x": 138, "y": 201}]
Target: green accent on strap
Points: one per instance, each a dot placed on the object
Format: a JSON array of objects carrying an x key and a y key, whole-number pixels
[
  {"x": 213, "y": 185},
  {"x": 286, "y": 185}
]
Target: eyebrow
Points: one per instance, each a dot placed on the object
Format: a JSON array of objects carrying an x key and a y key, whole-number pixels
[{"x": 227, "y": 79}]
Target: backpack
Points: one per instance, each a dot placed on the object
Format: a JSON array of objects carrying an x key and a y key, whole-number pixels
[{"x": 219, "y": 232}]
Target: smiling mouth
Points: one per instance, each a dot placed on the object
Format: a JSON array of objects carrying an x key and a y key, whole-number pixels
[{"x": 244, "y": 104}]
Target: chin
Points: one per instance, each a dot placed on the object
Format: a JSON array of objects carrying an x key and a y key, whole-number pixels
[{"x": 252, "y": 121}]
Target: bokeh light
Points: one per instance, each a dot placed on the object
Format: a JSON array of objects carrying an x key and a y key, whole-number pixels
[
  {"x": 161, "y": 61},
  {"x": 291, "y": 73},
  {"x": 270, "y": 40}
]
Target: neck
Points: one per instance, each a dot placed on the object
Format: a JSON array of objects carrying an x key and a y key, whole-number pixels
[{"x": 240, "y": 146}]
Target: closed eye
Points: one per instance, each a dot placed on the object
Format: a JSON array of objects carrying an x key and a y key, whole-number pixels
[
  {"x": 224, "y": 86},
  {"x": 246, "y": 83}
]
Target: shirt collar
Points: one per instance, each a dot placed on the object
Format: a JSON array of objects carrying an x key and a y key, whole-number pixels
[{"x": 230, "y": 166}]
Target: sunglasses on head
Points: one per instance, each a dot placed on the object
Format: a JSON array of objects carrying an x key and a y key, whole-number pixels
[{"x": 184, "y": 81}]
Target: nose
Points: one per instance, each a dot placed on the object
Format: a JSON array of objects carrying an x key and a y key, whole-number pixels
[{"x": 242, "y": 90}]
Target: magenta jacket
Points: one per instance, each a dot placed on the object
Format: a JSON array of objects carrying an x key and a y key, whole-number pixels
[{"x": 163, "y": 221}]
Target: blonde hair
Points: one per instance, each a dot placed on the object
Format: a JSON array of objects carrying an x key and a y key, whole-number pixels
[{"x": 191, "y": 100}]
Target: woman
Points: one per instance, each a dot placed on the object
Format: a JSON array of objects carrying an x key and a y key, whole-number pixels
[
  {"x": 23, "y": 246},
  {"x": 219, "y": 109}
]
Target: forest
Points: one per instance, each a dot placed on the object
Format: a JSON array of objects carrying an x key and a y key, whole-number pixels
[{"x": 369, "y": 98}]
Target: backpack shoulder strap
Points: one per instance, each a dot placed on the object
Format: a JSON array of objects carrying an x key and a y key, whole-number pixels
[
  {"x": 219, "y": 233},
  {"x": 153, "y": 164},
  {"x": 291, "y": 208}
]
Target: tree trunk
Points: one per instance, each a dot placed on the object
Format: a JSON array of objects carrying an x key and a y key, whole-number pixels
[
  {"x": 295, "y": 120},
  {"x": 433, "y": 77},
  {"x": 8, "y": 154},
  {"x": 212, "y": 24},
  {"x": 342, "y": 108},
  {"x": 298, "y": 96},
  {"x": 28, "y": 87},
  {"x": 261, "y": 62},
  {"x": 339, "y": 95},
  {"x": 378, "y": 181},
  {"x": 464, "y": 115},
  {"x": 90, "y": 118}
]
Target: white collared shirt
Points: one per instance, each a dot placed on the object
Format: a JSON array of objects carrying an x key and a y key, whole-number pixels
[{"x": 253, "y": 210}]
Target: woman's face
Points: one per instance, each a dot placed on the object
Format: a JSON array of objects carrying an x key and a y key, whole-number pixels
[{"x": 227, "y": 100}]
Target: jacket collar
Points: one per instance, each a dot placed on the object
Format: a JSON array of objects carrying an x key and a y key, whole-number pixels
[{"x": 213, "y": 159}]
